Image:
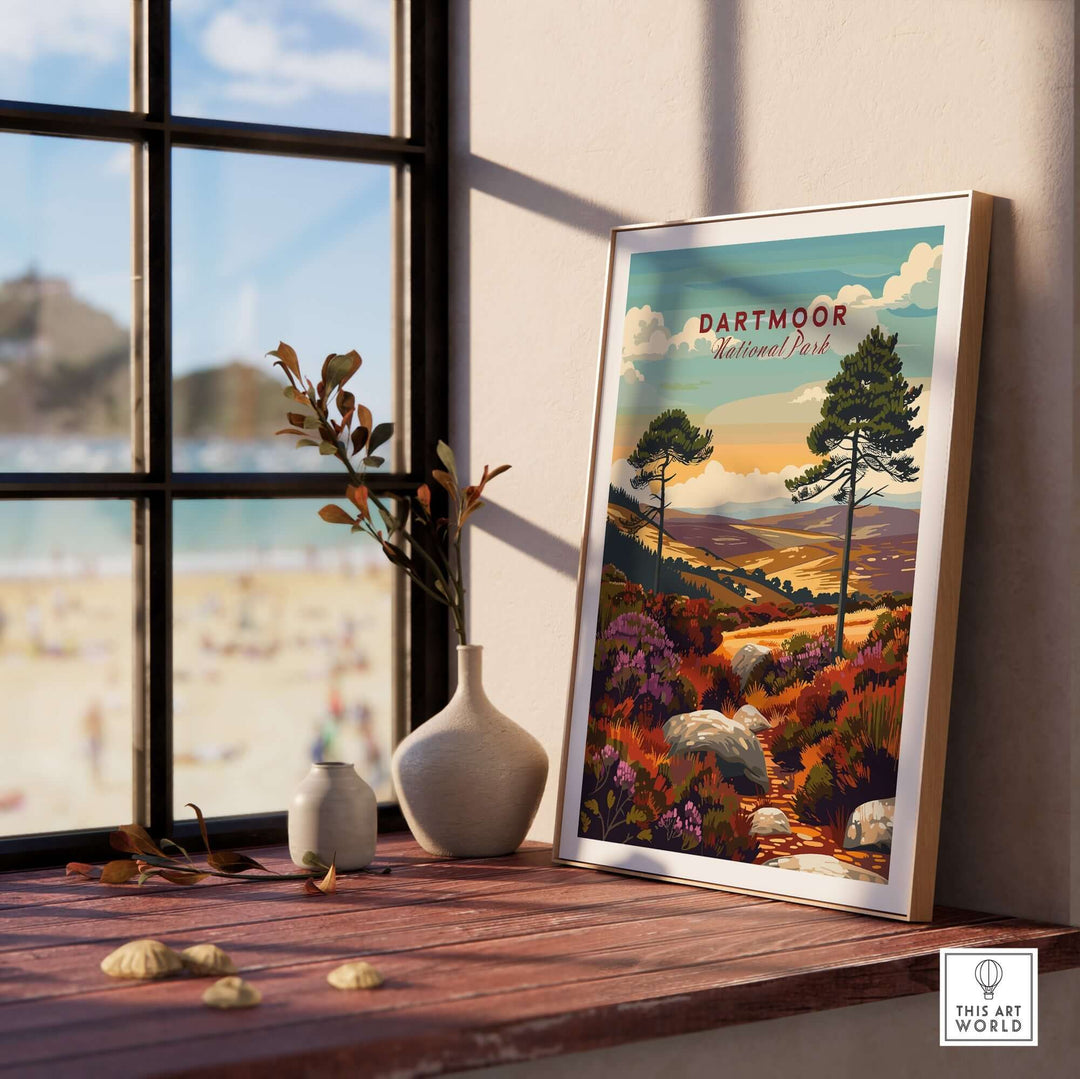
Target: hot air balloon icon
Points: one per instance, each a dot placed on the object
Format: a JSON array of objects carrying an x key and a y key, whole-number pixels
[{"x": 988, "y": 974}]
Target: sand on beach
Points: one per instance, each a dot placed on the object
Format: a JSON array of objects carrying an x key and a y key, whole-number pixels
[{"x": 272, "y": 668}]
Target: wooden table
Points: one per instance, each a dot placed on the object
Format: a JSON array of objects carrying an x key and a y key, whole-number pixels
[{"x": 486, "y": 961}]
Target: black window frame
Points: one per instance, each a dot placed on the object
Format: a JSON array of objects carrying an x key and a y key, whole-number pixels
[{"x": 423, "y": 155}]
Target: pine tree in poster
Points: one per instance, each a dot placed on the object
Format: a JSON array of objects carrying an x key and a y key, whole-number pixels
[
  {"x": 670, "y": 439},
  {"x": 866, "y": 426}
]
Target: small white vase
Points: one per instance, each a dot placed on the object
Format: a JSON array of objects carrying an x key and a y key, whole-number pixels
[
  {"x": 333, "y": 813},
  {"x": 469, "y": 780}
]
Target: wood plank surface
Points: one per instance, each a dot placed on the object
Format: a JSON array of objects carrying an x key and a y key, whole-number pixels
[{"x": 485, "y": 961}]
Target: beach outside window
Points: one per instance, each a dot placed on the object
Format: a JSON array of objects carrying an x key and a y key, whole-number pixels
[
  {"x": 66, "y": 605},
  {"x": 282, "y": 652},
  {"x": 176, "y": 622}
]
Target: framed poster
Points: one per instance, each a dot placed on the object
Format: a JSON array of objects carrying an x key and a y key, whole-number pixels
[{"x": 769, "y": 579}]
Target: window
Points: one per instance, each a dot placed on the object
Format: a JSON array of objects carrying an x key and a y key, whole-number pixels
[{"x": 180, "y": 188}]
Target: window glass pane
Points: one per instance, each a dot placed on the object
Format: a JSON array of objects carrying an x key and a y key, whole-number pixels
[
  {"x": 65, "y": 305},
  {"x": 268, "y": 249},
  {"x": 302, "y": 63},
  {"x": 66, "y": 52},
  {"x": 282, "y": 653},
  {"x": 66, "y": 602}
]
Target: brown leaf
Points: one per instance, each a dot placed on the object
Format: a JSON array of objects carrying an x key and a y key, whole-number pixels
[
  {"x": 182, "y": 876},
  {"x": 396, "y": 555},
  {"x": 287, "y": 359},
  {"x": 359, "y": 437},
  {"x": 232, "y": 861},
  {"x": 79, "y": 869},
  {"x": 120, "y": 871},
  {"x": 379, "y": 435},
  {"x": 363, "y": 417},
  {"x": 489, "y": 474},
  {"x": 291, "y": 431},
  {"x": 134, "y": 839},
  {"x": 296, "y": 418},
  {"x": 469, "y": 510},
  {"x": 446, "y": 455},
  {"x": 325, "y": 886},
  {"x": 358, "y": 496},
  {"x": 423, "y": 496},
  {"x": 202, "y": 824},
  {"x": 335, "y": 515},
  {"x": 444, "y": 479},
  {"x": 337, "y": 370}
]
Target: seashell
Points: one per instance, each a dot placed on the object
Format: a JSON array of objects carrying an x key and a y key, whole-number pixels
[
  {"x": 207, "y": 960},
  {"x": 142, "y": 959},
  {"x": 358, "y": 975},
  {"x": 232, "y": 992}
]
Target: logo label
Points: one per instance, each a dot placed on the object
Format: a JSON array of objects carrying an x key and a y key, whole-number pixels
[{"x": 989, "y": 996}]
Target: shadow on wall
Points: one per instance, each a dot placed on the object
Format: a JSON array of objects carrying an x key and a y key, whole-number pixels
[
  {"x": 472, "y": 172},
  {"x": 529, "y": 538}
]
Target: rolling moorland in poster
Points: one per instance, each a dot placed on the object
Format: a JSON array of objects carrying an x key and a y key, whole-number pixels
[{"x": 759, "y": 555}]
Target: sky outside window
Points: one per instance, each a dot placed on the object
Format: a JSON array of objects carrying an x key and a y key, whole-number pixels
[{"x": 265, "y": 248}]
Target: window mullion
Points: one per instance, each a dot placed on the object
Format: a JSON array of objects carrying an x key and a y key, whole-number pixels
[
  {"x": 428, "y": 326},
  {"x": 157, "y": 766}
]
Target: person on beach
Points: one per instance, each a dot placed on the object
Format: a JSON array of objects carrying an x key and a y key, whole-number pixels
[{"x": 94, "y": 729}]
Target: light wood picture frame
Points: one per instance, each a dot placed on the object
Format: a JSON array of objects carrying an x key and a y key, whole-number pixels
[{"x": 769, "y": 581}]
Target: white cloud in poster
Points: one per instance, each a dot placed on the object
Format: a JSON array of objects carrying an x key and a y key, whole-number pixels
[
  {"x": 621, "y": 475},
  {"x": 647, "y": 338},
  {"x": 644, "y": 334},
  {"x": 918, "y": 281},
  {"x": 859, "y": 319},
  {"x": 916, "y": 285},
  {"x": 716, "y": 485},
  {"x": 809, "y": 394},
  {"x": 691, "y": 342}
]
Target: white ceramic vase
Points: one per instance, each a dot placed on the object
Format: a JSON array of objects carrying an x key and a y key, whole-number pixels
[
  {"x": 333, "y": 813},
  {"x": 469, "y": 780}
]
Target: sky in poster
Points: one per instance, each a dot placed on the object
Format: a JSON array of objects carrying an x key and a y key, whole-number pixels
[{"x": 761, "y": 407}]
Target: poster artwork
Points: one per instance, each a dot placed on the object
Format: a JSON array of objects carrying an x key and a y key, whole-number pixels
[{"x": 751, "y": 642}]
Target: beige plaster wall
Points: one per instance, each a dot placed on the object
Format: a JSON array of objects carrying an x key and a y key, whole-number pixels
[{"x": 570, "y": 116}]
